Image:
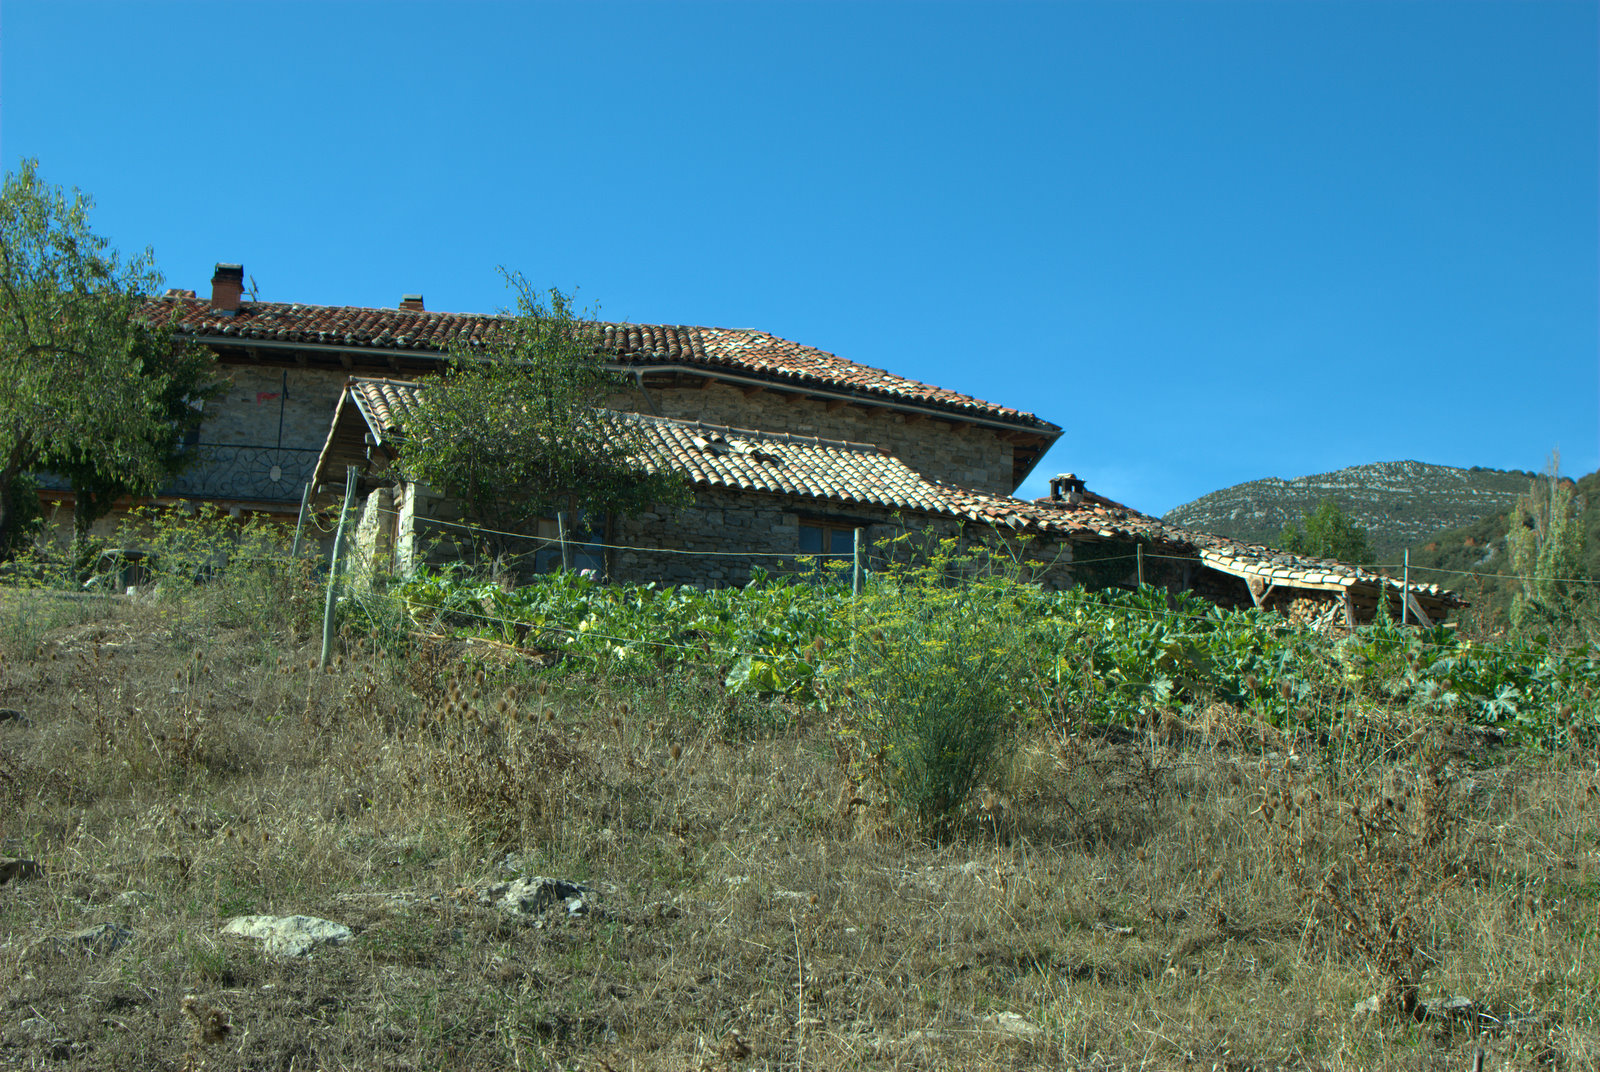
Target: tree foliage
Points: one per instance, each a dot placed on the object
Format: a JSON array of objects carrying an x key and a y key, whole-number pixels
[
  {"x": 1327, "y": 533},
  {"x": 1545, "y": 542},
  {"x": 89, "y": 389},
  {"x": 180, "y": 380},
  {"x": 515, "y": 428}
]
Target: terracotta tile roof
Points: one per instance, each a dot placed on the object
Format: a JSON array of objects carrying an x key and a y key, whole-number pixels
[
  {"x": 1252, "y": 560},
  {"x": 844, "y": 472},
  {"x": 822, "y": 469},
  {"x": 1291, "y": 570},
  {"x": 753, "y": 353}
]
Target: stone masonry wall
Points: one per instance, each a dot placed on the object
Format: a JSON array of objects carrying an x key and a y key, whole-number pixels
[
  {"x": 373, "y": 545},
  {"x": 261, "y": 436},
  {"x": 764, "y": 531},
  {"x": 248, "y": 410},
  {"x": 724, "y": 535},
  {"x": 973, "y": 456},
  {"x": 1223, "y": 589}
]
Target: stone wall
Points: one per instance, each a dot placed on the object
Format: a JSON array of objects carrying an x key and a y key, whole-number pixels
[
  {"x": 260, "y": 399},
  {"x": 721, "y": 538},
  {"x": 718, "y": 540},
  {"x": 973, "y": 456},
  {"x": 261, "y": 436},
  {"x": 373, "y": 548}
]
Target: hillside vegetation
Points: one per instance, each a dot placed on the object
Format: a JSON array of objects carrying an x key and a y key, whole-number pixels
[
  {"x": 954, "y": 823},
  {"x": 1398, "y": 503},
  {"x": 1472, "y": 559}
]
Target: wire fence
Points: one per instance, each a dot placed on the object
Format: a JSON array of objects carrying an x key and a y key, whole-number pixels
[
  {"x": 877, "y": 562},
  {"x": 1150, "y": 556},
  {"x": 872, "y": 553}
]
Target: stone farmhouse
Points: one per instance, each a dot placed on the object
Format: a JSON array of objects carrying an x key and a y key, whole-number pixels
[{"x": 788, "y": 450}]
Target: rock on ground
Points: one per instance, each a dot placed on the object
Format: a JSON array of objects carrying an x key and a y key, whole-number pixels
[{"x": 289, "y": 936}]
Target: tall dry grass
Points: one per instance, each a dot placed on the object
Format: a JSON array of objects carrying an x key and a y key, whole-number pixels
[{"x": 1177, "y": 896}]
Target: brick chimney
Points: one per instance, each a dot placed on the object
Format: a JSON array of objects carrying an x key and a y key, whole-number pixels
[
  {"x": 412, "y": 302},
  {"x": 227, "y": 285}
]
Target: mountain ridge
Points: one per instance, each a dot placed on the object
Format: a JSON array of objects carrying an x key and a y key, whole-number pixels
[{"x": 1399, "y": 503}]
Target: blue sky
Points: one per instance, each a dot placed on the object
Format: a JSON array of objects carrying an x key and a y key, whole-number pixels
[{"x": 1213, "y": 241}]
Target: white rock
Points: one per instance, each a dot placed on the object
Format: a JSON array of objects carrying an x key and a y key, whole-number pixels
[
  {"x": 1010, "y": 1023},
  {"x": 531, "y": 896},
  {"x": 289, "y": 936}
]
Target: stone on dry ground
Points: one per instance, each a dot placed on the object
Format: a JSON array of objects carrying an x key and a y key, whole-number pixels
[{"x": 289, "y": 936}]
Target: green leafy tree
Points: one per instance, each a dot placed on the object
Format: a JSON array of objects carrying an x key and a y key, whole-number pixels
[
  {"x": 1545, "y": 541},
  {"x": 1328, "y": 533},
  {"x": 515, "y": 428},
  {"x": 183, "y": 379},
  {"x": 88, "y": 386}
]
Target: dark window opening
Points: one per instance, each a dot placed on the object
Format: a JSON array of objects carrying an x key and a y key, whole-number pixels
[
  {"x": 584, "y": 538},
  {"x": 827, "y": 542}
]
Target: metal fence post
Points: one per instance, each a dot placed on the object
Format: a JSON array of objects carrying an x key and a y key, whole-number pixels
[
  {"x": 333, "y": 563},
  {"x": 300, "y": 525},
  {"x": 566, "y": 547},
  {"x": 855, "y": 566},
  {"x": 1405, "y": 590}
]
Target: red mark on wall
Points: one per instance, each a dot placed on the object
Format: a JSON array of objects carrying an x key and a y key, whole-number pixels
[{"x": 265, "y": 396}]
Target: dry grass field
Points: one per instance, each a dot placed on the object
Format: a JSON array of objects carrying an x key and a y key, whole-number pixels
[{"x": 1196, "y": 895}]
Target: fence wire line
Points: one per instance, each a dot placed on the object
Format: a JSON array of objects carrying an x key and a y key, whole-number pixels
[
  {"x": 548, "y": 541},
  {"x": 579, "y": 545},
  {"x": 820, "y": 556},
  {"x": 1508, "y": 653},
  {"x": 1373, "y": 567},
  {"x": 314, "y": 519}
]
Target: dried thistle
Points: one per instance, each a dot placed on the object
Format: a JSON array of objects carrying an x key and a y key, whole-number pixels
[{"x": 209, "y": 1025}]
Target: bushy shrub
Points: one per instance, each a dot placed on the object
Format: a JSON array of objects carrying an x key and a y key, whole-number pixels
[
  {"x": 933, "y": 685},
  {"x": 223, "y": 571}
]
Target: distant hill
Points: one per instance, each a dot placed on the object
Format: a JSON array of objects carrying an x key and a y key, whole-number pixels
[{"x": 1400, "y": 504}]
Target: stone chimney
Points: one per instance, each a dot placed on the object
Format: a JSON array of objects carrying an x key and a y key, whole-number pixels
[
  {"x": 412, "y": 302},
  {"x": 227, "y": 286},
  {"x": 1067, "y": 488}
]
